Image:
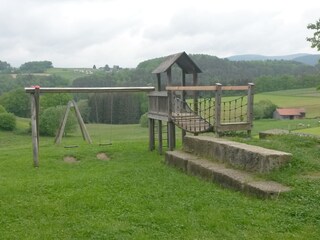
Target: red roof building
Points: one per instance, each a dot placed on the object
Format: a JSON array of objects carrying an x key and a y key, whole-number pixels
[{"x": 289, "y": 113}]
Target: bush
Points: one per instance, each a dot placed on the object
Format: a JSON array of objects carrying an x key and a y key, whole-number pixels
[
  {"x": 2, "y": 109},
  {"x": 7, "y": 121},
  {"x": 16, "y": 102},
  {"x": 144, "y": 122},
  {"x": 50, "y": 120},
  {"x": 264, "y": 109},
  {"x": 84, "y": 110}
]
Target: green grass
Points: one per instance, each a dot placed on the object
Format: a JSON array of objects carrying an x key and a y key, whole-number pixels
[
  {"x": 136, "y": 196},
  {"x": 68, "y": 73}
]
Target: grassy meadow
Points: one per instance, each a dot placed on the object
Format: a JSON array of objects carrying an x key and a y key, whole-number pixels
[
  {"x": 306, "y": 98},
  {"x": 134, "y": 195}
]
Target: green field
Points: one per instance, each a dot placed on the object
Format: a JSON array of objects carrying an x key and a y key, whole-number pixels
[
  {"x": 306, "y": 98},
  {"x": 69, "y": 73},
  {"x": 134, "y": 195}
]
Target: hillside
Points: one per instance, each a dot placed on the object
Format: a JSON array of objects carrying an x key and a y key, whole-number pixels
[
  {"x": 305, "y": 58},
  {"x": 269, "y": 75}
]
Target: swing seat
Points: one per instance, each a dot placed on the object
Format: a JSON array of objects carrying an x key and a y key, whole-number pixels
[
  {"x": 71, "y": 146},
  {"x": 105, "y": 144}
]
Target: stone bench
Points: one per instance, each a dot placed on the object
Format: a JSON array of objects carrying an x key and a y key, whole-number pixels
[{"x": 239, "y": 155}]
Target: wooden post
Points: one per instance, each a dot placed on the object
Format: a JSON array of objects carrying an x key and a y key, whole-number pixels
[
  {"x": 151, "y": 134},
  {"x": 250, "y": 106},
  {"x": 183, "y": 98},
  {"x": 35, "y": 126},
  {"x": 83, "y": 128},
  {"x": 171, "y": 126},
  {"x": 158, "y": 82},
  {"x": 195, "y": 95},
  {"x": 160, "y": 141},
  {"x": 62, "y": 125},
  {"x": 217, "y": 121}
]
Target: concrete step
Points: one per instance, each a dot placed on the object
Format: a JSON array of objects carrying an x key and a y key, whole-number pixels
[
  {"x": 227, "y": 177},
  {"x": 239, "y": 155}
]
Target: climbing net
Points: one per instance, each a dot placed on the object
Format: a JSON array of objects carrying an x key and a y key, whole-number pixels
[
  {"x": 234, "y": 110},
  {"x": 203, "y": 107}
]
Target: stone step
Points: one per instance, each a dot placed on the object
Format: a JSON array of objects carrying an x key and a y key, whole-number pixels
[
  {"x": 239, "y": 155},
  {"x": 226, "y": 177}
]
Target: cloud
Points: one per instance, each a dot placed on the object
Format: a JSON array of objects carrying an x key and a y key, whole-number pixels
[{"x": 76, "y": 33}]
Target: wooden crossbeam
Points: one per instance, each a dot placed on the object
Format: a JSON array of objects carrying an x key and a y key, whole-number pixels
[{"x": 205, "y": 88}]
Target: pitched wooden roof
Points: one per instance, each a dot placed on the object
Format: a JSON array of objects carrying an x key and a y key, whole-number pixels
[{"x": 182, "y": 60}]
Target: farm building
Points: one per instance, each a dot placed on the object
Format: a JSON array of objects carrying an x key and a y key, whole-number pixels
[{"x": 289, "y": 113}]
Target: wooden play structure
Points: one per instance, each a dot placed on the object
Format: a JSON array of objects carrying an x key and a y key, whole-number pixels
[
  {"x": 170, "y": 106},
  {"x": 182, "y": 106}
]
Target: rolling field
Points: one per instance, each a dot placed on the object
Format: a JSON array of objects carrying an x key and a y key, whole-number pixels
[{"x": 308, "y": 98}]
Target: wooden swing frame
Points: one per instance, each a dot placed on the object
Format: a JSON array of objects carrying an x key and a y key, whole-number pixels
[
  {"x": 35, "y": 92},
  {"x": 63, "y": 122}
]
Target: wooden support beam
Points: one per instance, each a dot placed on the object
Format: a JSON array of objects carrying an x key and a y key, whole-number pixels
[
  {"x": 151, "y": 134},
  {"x": 205, "y": 88},
  {"x": 160, "y": 139},
  {"x": 83, "y": 128},
  {"x": 217, "y": 120},
  {"x": 250, "y": 106},
  {"x": 89, "y": 90},
  {"x": 85, "y": 134},
  {"x": 62, "y": 125},
  {"x": 35, "y": 127}
]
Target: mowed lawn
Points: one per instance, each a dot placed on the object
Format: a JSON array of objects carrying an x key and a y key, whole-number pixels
[{"x": 134, "y": 195}]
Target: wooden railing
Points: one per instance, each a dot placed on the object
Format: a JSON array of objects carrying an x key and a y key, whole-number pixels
[
  {"x": 219, "y": 123},
  {"x": 158, "y": 105}
]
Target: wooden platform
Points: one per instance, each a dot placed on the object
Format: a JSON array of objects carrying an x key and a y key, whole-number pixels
[{"x": 191, "y": 122}]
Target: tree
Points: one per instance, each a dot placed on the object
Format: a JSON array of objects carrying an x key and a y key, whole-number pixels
[
  {"x": 50, "y": 120},
  {"x": 36, "y": 66},
  {"x": 55, "y": 99},
  {"x": 4, "y": 67},
  {"x": 315, "y": 40},
  {"x": 16, "y": 102}
]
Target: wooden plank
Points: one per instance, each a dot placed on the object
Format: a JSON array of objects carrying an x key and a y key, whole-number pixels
[
  {"x": 205, "y": 88},
  {"x": 234, "y": 88},
  {"x": 158, "y": 94},
  {"x": 89, "y": 89},
  {"x": 191, "y": 88}
]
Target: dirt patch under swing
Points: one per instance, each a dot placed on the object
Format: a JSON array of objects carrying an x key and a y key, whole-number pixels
[
  {"x": 312, "y": 176},
  {"x": 70, "y": 159},
  {"x": 103, "y": 157}
]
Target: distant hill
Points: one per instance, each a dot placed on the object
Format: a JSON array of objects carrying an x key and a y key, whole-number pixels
[{"x": 305, "y": 58}]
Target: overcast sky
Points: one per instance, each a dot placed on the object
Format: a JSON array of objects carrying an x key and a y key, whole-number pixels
[{"x": 81, "y": 33}]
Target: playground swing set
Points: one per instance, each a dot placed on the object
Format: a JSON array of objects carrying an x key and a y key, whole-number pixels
[{"x": 179, "y": 106}]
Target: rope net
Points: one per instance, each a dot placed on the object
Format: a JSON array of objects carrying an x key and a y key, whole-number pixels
[
  {"x": 234, "y": 110},
  {"x": 198, "y": 115},
  {"x": 192, "y": 116}
]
